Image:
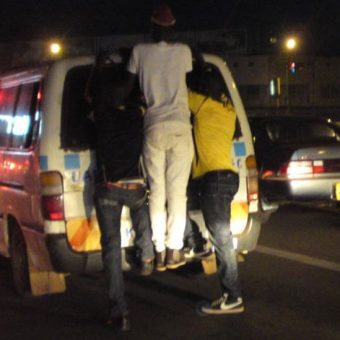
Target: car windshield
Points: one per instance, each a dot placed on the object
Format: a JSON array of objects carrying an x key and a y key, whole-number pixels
[{"x": 300, "y": 131}]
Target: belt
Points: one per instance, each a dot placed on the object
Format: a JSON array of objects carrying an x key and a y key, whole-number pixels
[{"x": 126, "y": 186}]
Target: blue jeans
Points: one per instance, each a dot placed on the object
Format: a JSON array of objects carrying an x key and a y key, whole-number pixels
[
  {"x": 109, "y": 201},
  {"x": 217, "y": 189}
]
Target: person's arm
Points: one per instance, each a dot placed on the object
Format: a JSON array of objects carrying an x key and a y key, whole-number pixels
[
  {"x": 94, "y": 79},
  {"x": 131, "y": 73},
  {"x": 198, "y": 64}
]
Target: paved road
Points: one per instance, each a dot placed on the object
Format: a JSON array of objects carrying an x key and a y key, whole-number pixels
[{"x": 290, "y": 284}]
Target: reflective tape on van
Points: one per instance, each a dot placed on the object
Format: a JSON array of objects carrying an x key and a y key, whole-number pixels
[
  {"x": 84, "y": 234},
  {"x": 239, "y": 217}
]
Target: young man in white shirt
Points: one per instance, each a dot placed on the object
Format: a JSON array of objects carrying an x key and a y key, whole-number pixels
[{"x": 161, "y": 67}]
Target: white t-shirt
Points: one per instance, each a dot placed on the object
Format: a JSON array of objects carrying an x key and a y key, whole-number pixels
[{"x": 161, "y": 68}]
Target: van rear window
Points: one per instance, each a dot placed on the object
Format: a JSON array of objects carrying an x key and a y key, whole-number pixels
[
  {"x": 18, "y": 115},
  {"x": 8, "y": 97},
  {"x": 77, "y": 128}
]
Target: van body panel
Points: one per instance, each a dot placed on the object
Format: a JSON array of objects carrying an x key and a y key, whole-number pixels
[
  {"x": 3, "y": 236},
  {"x": 72, "y": 244},
  {"x": 65, "y": 260},
  {"x": 247, "y": 241},
  {"x": 242, "y": 147}
]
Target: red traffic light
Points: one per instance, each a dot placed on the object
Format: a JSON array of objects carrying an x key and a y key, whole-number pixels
[{"x": 291, "y": 66}]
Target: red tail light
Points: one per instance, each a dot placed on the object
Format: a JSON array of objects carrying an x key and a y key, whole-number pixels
[
  {"x": 298, "y": 169},
  {"x": 318, "y": 167},
  {"x": 267, "y": 173},
  {"x": 52, "y": 199},
  {"x": 53, "y": 207}
]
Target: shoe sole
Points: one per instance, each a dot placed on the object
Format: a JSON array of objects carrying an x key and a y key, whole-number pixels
[
  {"x": 235, "y": 310},
  {"x": 160, "y": 269},
  {"x": 198, "y": 256},
  {"x": 175, "y": 265}
]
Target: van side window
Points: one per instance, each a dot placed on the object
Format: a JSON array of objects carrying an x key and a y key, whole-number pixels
[
  {"x": 7, "y": 103},
  {"x": 24, "y": 115},
  {"x": 76, "y": 125}
]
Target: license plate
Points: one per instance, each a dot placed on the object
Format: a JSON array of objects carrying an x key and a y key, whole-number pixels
[{"x": 337, "y": 191}]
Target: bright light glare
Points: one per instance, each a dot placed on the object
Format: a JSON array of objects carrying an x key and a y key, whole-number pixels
[
  {"x": 272, "y": 88},
  {"x": 21, "y": 125},
  {"x": 299, "y": 168},
  {"x": 55, "y": 48},
  {"x": 291, "y": 43},
  {"x": 18, "y": 125}
]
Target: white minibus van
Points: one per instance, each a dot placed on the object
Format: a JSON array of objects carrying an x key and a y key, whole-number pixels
[{"x": 48, "y": 225}]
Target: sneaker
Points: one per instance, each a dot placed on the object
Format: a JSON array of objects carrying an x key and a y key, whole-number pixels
[
  {"x": 174, "y": 258},
  {"x": 193, "y": 253},
  {"x": 119, "y": 324},
  {"x": 160, "y": 261},
  {"x": 223, "y": 305},
  {"x": 146, "y": 268}
]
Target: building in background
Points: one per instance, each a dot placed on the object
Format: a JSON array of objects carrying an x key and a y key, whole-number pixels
[{"x": 269, "y": 83}]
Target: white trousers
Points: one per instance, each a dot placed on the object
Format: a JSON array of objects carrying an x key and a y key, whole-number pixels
[{"x": 168, "y": 157}]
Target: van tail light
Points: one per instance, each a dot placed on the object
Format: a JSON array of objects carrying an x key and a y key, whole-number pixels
[
  {"x": 298, "y": 169},
  {"x": 252, "y": 183},
  {"x": 52, "y": 198}
]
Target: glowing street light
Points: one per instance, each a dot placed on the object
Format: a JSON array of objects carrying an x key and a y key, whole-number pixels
[
  {"x": 291, "y": 44},
  {"x": 55, "y": 48}
]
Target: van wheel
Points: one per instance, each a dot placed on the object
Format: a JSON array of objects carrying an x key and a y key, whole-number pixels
[{"x": 19, "y": 262}]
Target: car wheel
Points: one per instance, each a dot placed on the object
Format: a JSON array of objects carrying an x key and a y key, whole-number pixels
[{"x": 19, "y": 262}]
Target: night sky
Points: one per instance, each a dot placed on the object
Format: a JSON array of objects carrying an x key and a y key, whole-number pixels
[{"x": 317, "y": 20}]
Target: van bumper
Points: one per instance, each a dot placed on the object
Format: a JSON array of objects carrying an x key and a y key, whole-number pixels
[
  {"x": 247, "y": 241},
  {"x": 66, "y": 260}
]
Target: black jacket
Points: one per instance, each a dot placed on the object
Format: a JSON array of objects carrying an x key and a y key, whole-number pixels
[
  {"x": 119, "y": 131},
  {"x": 119, "y": 142}
]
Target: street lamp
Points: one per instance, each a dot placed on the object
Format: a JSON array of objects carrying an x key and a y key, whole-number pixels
[
  {"x": 290, "y": 46},
  {"x": 291, "y": 43},
  {"x": 55, "y": 48}
]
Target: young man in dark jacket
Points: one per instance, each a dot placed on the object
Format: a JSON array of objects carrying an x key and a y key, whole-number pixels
[{"x": 119, "y": 133}]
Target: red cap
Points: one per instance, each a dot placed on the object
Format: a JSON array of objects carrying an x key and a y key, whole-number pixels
[{"x": 162, "y": 16}]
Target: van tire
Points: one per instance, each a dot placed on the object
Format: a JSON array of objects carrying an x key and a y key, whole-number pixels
[{"x": 19, "y": 262}]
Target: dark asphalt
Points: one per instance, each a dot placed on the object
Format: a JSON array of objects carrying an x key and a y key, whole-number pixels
[{"x": 284, "y": 299}]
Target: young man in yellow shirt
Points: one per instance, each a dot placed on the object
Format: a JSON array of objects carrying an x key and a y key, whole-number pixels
[{"x": 214, "y": 128}]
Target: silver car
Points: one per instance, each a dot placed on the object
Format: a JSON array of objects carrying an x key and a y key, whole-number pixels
[{"x": 298, "y": 158}]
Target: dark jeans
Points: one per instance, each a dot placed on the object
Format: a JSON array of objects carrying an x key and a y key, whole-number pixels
[
  {"x": 216, "y": 191},
  {"x": 193, "y": 238},
  {"x": 109, "y": 202}
]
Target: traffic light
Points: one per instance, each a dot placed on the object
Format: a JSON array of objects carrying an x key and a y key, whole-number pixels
[{"x": 291, "y": 66}]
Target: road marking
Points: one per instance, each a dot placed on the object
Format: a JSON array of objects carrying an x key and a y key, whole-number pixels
[{"x": 312, "y": 261}]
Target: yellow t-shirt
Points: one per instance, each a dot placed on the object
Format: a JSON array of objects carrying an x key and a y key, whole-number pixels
[{"x": 214, "y": 126}]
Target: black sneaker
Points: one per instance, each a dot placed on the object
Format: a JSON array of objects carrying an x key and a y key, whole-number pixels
[
  {"x": 174, "y": 258},
  {"x": 160, "y": 261},
  {"x": 146, "y": 268},
  {"x": 119, "y": 324},
  {"x": 223, "y": 305}
]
